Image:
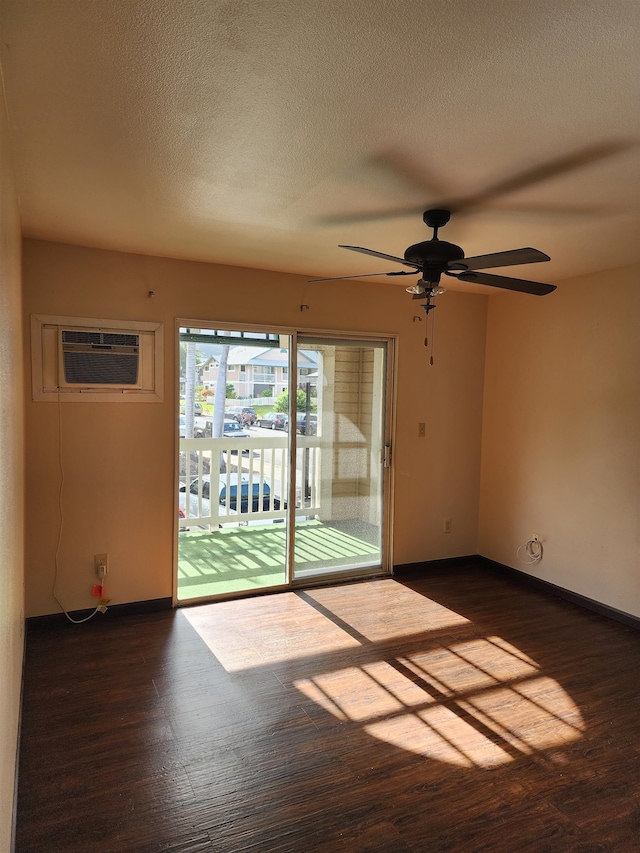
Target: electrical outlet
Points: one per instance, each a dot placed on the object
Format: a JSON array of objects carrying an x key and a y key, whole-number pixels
[
  {"x": 101, "y": 564},
  {"x": 447, "y": 525},
  {"x": 421, "y": 430}
]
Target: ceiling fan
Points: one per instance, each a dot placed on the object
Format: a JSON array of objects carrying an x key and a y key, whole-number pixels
[{"x": 434, "y": 258}]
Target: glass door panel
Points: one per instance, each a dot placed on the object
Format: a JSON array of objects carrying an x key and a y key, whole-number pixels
[
  {"x": 233, "y": 463},
  {"x": 339, "y": 476}
]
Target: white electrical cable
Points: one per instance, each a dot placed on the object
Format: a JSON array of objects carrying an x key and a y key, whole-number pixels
[
  {"x": 55, "y": 577},
  {"x": 533, "y": 549}
]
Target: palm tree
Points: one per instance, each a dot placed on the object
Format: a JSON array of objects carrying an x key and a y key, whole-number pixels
[
  {"x": 219, "y": 399},
  {"x": 189, "y": 388}
]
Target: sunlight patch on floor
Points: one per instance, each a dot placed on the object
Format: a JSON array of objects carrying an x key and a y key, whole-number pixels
[
  {"x": 382, "y": 606},
  {"x": 469, "y": 702},
  {"x": 480, "y": 703},
  {"x": 439, "y": 734},
  {"x": 362, "y": 693},
  {"x": 248, "y": 633}
]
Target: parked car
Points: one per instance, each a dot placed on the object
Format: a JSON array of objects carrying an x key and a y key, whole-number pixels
[
  {"x": 273, "y": 420},
  {"x": 203, "y": 428},
  {"x": 197, "y": 408},
  {"x": 242, "y": 414},
  {"x": 231, "y": 499},
  {"x": 306, "y": 426}
]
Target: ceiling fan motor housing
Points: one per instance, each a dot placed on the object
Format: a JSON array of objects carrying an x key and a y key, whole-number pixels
[{"x": 433, "y": 257}]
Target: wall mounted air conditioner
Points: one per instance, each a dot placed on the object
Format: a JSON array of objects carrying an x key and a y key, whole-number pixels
[
  {"x": 92, "y": 358},
  {"x": 82, "y": 358}
]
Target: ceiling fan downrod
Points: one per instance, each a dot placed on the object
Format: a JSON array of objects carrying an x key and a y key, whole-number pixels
[
  {"x": 436, "y": 219},
  {"x": 433, "y": 256}
]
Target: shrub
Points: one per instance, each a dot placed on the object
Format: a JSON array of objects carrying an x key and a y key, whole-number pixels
[{"x": 282, "y": 401}]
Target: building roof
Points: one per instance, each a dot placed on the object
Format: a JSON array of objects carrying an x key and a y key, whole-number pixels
[{"x": 270, "y": 357}]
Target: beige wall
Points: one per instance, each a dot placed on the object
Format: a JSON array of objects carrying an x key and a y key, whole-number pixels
[
  {"x": 118, "y": 459},
  {"x": 438, "y": 476},
  {"x": 12, "y": 479},
  {"x": 561, "y": 435}
]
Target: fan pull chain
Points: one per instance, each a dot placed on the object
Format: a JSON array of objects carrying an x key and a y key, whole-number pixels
[
  {"x": 428, "y": 342},
  {"x": 427, "y": 308},
  {"x": 433, "y": 328}
]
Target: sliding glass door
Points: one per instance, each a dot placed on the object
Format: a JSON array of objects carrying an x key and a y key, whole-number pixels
[
  {"x": 282, "y": 470},
  {"x": 340, "y": 459},
  {"x": 233, "y": 463}
]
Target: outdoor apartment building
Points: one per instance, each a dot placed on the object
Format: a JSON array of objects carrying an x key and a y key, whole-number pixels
[{"x": 253, "y": 371}]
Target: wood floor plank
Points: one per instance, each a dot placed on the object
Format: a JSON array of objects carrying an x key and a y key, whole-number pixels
[{"x": 456, "y": 711}]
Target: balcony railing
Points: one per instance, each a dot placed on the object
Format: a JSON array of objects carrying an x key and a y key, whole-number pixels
[{"x": 225, "y": 481}]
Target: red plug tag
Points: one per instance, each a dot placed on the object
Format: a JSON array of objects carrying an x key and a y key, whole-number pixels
[{"x": 97, "y": 590}]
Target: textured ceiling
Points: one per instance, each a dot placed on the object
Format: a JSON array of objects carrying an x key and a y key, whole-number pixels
[{"x": 229, "y": 131}]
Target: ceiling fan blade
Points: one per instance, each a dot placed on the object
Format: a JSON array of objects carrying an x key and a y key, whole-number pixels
[
  {"x": 543, "y": 172},
  {"x": 363, "y": 275},
  {"x": 408, "y": 171},
  {"x": 561, "y": 165},
  {"x": 394, "y": 173},
  {"x": 500, "y": 259},
  {"x": 537, "y": 288},
  {"x": 380, "y": 255},
  {"x": 372, "y": 216}
]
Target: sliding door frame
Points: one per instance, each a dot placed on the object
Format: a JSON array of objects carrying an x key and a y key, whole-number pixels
[{"x": 389, "y": 423}]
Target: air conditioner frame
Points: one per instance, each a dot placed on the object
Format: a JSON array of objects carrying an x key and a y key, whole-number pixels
[{"x": 47, "y": 359}]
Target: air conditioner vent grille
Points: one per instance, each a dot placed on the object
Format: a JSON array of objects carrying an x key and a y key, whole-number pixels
[
  {"x": 98, "y": 368},
  {"x": 83, "y": 336}
]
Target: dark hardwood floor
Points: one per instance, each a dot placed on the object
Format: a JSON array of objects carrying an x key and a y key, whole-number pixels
[{"x": 451, "y": 712}]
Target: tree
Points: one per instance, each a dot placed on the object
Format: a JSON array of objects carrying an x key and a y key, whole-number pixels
[
  {"x": 221, "y": 392},
  {"x": 268, "y": 392},
  {"x": 231, "y": 391},
  {"x": 218, "y": 402},
  {"x": 183, "y": 357},
  {"x": 190, "y": 387},
  {"x": 282, "y": 401}
]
